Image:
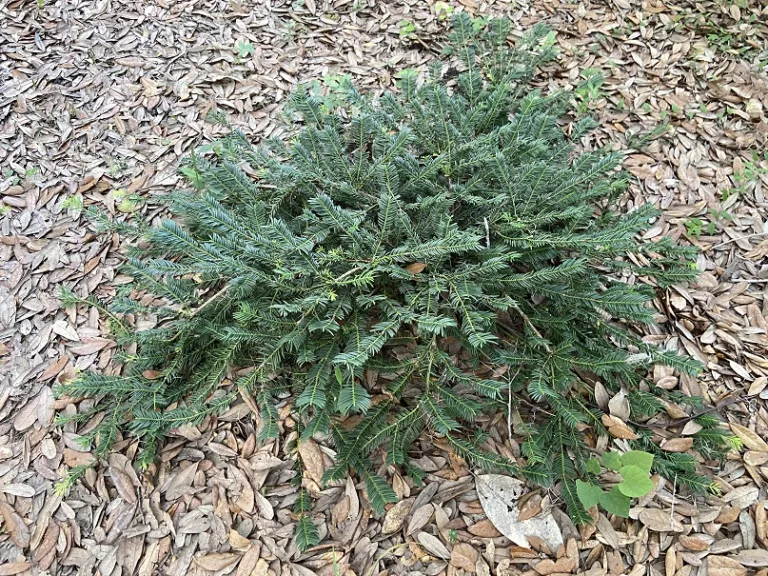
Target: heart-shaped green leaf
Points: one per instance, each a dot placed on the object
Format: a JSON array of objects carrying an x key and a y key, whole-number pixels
[
  {"x": 612, "y": 460},
  {"x": 589, "y": 494},
  {"x": 642, "y": 460},
  {"x": 635, "y": 482},
  {"x": 593, "y": 466},
  {"x": 615, "y": 502}
]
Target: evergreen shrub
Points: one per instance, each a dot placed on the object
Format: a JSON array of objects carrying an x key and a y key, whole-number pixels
[{"x": 341, "y": 267}]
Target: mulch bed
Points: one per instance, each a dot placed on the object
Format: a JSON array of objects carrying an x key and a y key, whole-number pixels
[{"x": 101, "y": 99}]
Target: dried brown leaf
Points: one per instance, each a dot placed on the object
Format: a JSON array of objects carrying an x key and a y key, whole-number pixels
[
  {"x": 751, "y": 440},
  {"x": 15, "y": 525},
  {"x": 464, "y": 556},
  {"x": 217, "y": 561},
  {"x": 395, "y": 516},
  {"x": 724, "y": 566}
]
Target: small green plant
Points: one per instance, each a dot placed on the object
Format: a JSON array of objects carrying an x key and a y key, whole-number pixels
[
  {"x": 696, "y": 226},
  {"x": 588, "y": 91},
  {"x": 288, "y": 30},
  {"x": 720, "y": 215},
  {"x": 762, "y": 60},
  {"x": 244, "y": 49},
  {"x": 125, "y": 201},
  {"x": 4, "y": 209},
  {"x": 407, "y": 30},
  {"x": 635, "y": 469},
  {"x": 330, "y": 90},
  {"x": 749, "y": 175},
  {"x": 370, "y": 269},
  {"x": 443, "y": 10},
  {"x": 74, "y": 202},
  {"x": 480, "y": 22},
  {"x": 717, "y": 218},
  {"x": 453, "y": 536},
  {"x": 115, "y": 167},
  {"x": 11, "y": 176}
]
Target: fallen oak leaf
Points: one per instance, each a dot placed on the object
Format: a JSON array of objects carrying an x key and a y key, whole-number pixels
[
  {"x": 724, "y": 566},
  {"x": 618, "y": 428},
  {"x": 433, "y": 545},
  {"x": 499, "y": 497},
  {"x": 14, "y": 525},
  {"x": 395, "y": 516},
  {"x": 416, "y": 267},
  {"x": 13, "y": 568},
  {"x": 217, "y": 561},
  {"x": 677, "y": 444},
  {"x": 750, "y": 439}
]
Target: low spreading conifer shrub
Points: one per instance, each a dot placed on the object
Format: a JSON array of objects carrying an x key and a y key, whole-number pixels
[{"x": 340, "y": 268}]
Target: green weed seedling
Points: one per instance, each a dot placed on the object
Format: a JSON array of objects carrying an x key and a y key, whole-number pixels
[{"x": 635, "y": 469}]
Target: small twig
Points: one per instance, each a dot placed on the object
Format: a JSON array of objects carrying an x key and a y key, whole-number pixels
[
  {"x": 532, "y": 327},
  {"x": 681, "y": 421},
  {"x": 672, "y": 509},
  {"x": 509, "y": 404},
  {"x": 348, "y": 272},
  {"x": 205, "y": 304},
  {"x": 383, "y": 555},
  {"x": 535, "y": 407},
  {"x": 748, "y": 236}
]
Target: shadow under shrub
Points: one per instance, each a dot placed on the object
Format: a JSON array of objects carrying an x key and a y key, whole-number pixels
[{"x": 336, "y": 267}]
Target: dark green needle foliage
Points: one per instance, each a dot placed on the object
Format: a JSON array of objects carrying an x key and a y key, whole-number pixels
[{"x": 333, "y": 268}]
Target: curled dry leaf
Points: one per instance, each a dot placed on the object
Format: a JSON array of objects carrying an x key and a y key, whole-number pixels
[
  {"x": 14, "y": 525},
  {"x": 18, "y": 489},
  {"x": 499, "y": 496},
  {"x": 249, "y": 564},
  {"x": 660, "y": 520},
  {"x": 618, "y": 428},
  {"x": 670, "y": 562},
  {"x": 238, "y": 541},
  {"x": 727, "y": 514},
  {"x": 421, "y": 517},
  {"x": 531, "y": 507},
  {"x": 755, "y": 558},
  {"x": 123, "y": 484},
  {"x": 742, "y": 497},
  {"x": 464, "y": 556},
  {"x": 697, "y": 543},
  {"x": 750, "y": 439},
  {"x": 12, "y": 568},
  {"x": 246, "y": 499},
  {"x": 601, "y": 395},
  {"x": 217, "y": 561},
  {"x": 181, "y": 483},
  {"x": 754, "y": 458},
  {"x": 395, "y": 516},
  {"x": 724, "y": 566},
  {"x": 563, "y": 565},
  {"x": 618, "y": 406},
  {"x": 312, "y": 459},
  {"x": 433, "y": 545},
  {"x": 484, "y": 529},
  {"x": 677, "y": 445},
  {"x": 416, "y": 267}
]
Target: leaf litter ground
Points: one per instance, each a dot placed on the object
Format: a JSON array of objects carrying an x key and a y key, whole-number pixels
[{"x": 101, "y": 99}]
